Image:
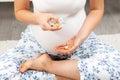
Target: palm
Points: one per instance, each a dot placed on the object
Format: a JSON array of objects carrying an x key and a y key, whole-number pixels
[{"x": 67, "y": 47}]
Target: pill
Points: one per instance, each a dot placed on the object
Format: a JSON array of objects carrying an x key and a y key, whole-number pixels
[{"x": 66, "y": 47}]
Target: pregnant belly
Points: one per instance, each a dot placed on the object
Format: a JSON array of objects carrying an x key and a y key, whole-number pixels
[{"x": 50, "y": 39}]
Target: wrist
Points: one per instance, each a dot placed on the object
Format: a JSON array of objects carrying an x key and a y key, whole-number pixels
[
  {"x": 79, "y": 39},
  {"x": 37, "y": 17}
]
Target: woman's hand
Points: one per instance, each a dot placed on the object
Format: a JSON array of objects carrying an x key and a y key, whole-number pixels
[
  {"x": 68, "y": 47},
  {"x": 43, "y": 20}
]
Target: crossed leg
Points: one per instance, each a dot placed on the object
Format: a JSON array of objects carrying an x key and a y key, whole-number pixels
[{"x": 64, "y": 69}]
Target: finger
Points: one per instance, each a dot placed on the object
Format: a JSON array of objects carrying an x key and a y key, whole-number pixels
[
  {"x": 55, "y": 18},
  {"x": 66, "y": 51},
  {"x": 43, "y": 28},
  {"x": 62, "y": 50},
  {"x": 47, "y": 26},
  {"x": 56, "y": 26},
  {"x": 55, "y": 29},
  {"x": 59, "y": 48},
  {"x": 71, "y": 50},
  {"x": 61, "y": 45}
]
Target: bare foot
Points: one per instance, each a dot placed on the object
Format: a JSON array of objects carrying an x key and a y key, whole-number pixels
[{"x": 36, "y": 64}]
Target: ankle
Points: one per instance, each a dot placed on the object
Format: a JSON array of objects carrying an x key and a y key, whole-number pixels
[
  {"x": 42, "y": 63},
  {"x": 47, "y": 66}
]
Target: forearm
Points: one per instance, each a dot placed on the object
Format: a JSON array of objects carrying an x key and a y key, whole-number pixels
[
  {"x": 90, "y": 24},
  {"x": 23, "y": 13},
  {"x": 26, "y": 16}
]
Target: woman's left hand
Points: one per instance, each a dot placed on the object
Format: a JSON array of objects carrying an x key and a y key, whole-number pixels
[{"x": 68, "y": 47}]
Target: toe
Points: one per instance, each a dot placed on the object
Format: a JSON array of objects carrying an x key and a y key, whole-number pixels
[
  {"x": 22, "y": 68},
  {"x": 25, "y": 66}
]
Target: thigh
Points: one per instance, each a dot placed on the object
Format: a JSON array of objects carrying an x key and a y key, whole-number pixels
[
  {"x": 100, "y": 67},
  {"x": 92, "y": 46},
  {"x": 86, "y": 48},
  {"x": 96, "y": 60}
]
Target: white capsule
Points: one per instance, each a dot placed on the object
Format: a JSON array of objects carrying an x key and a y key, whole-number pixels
[{"x": 66, "y": 47}]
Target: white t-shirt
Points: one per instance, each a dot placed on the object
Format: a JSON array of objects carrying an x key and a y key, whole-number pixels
[{"x": 73, "y": 14}]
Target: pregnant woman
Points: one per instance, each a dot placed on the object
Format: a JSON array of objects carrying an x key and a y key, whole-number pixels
[{"x": 59, "y": 43}]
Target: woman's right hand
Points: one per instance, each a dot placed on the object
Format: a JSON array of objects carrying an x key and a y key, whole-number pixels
[{"x": 43, "y": 20}]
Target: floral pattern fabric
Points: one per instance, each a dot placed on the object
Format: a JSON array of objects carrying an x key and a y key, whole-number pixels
[{"x": 96, "y": 60}]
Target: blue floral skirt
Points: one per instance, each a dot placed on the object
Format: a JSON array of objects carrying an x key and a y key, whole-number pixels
[{"x": 96, "y": 60}]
